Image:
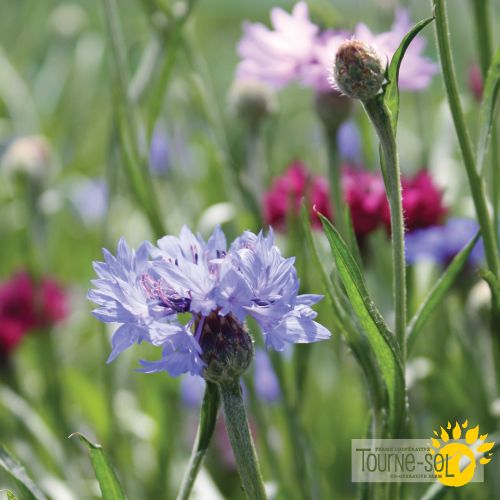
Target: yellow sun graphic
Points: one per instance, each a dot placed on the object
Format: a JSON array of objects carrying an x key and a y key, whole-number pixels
[{"x": 455, "y": 461}]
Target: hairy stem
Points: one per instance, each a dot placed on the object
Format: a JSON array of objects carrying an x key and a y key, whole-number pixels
[
  {"x": 379, "y": 115},
  {"x": 241, "y": 440}
]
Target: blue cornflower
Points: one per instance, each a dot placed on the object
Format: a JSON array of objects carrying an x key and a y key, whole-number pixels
[
  {"x": 214, "y": 286},
  {"x": 440, "y": 244}
]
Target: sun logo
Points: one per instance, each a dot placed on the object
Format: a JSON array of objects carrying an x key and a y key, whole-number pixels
[{"x": 456, "y": 451}]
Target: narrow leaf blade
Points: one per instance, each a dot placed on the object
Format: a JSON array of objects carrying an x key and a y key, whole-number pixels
[
  {"x": 15, "y": 470},
  {"x": 382, "y": 341},
  {"x": 438, "y": 291},
  {"x": 391, "y": 94},
  {"x": 106, "y": 477},
  {"x": 488, "y": 109}
]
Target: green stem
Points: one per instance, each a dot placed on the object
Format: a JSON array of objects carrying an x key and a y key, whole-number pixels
[
  {"x": 380, "y": 117},
  {"x": 335, "y": 175},
  {"x": 241, "y": 440},
  {"x": 482, "y": 17},
  {"x": 208, "y": 418},
  {"x": 255, "y": 163},
  {"x": 475, "y": 181},
  {"x": 484, "y": 38}
]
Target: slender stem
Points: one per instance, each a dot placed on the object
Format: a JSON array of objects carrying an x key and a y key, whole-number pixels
[
  {"x": 335, "y": 174},
  {"x": 255, "y": 163},
  {"x": 241, "y": 440},
  {"x": 208, "y": 418},
  {"x": 379, "y": 115},
  {"x": 475, "y": 181},
  {"x": 482, "y": 17}
]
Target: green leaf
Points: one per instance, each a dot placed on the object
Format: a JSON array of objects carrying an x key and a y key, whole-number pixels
[
  {"x": 208, "y": 415},
  {"x": 10, "y": 495},
  {"x": 381, "y": 339},
  {"x": 15, "y": 470},
  {"x": 488, "y": 109},
  {"x": 438, "y": 291},
  {"x": 108, "y": 482},
  {"x": 391, "y": 94}
]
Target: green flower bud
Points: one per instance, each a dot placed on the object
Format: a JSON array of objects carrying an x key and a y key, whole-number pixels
[
  {"x": 252, "y": 101},
  {"x": 227, "y": 348},
  {"x": 359, "y": 72}
]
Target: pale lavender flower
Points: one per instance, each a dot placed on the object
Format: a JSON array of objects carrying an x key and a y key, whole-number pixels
[
  {"x": 440, "y": 244},
  {"x": 296, "y": 50},
  {"x": 215, "y": 287},
  {"x": 276, "y": 56},
  {"x": 416, "y": 70},
  {"x": 314, "y": 71}
]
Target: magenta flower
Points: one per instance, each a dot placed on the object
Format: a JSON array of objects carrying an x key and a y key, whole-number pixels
[
  {"x": 26, "y": 305},
  {"x": 416, "y": 70},
  {"x": 277, "y": 56},
  {"x": 288, "y": 191},
  {"x": 364, "y": 194},
  {"x": 422, "y": 203}
]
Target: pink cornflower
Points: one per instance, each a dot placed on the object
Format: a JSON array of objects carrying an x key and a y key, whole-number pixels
[{"x": 276, "y": 56}]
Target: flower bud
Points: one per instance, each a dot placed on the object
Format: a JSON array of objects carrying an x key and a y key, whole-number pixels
[
  {"x": 227, "y": 348},
  {"x": 252, "y": 101},
  {"x": 358, "y": 71},
  {"x": 30, "y": 156}
]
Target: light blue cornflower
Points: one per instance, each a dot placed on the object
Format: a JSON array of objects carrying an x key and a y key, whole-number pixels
[
  {"x": 211, "y": 285},
  {"x": 440, "y": 244}
]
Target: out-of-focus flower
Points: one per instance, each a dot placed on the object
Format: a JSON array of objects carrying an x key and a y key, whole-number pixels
[
  {"x": 27, "y": 305},
  {"x": 277, "y": 56},
  {"x": 296, "y": 50},
  {"x": 30, "y": 155},
  {"x": 440, "y": 244},
  {"x": 422, "y": 203},
  {"x": 252, "y": 100},
  {"x": 476, "y": 82},
  {"x": 288, "y": 191},
  {"x": 159, "y": 151},
  {"x": 90, "y": 198},
  {"x": 349, "y": 143},
  {"x": 217, "y": 286},
  {"x": 364, "y": 193},
  {"x": 266, "y": 382},
  {"x": 416, "y": 70}
]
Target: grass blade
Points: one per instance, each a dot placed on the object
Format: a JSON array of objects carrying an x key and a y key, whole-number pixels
[
  {"x": 381, "y": 339},
  {"x": 438, "y": 291},
  {"x": 15, "y": 470},
  {"x": 108, "y": 482}
]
